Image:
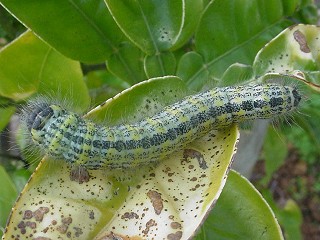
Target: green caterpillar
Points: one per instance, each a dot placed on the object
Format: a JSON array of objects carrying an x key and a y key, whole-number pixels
[{"x": 65, "y": 135}]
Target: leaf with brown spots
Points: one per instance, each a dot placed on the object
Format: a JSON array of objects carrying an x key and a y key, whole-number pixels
[
  {"x": 168, "y": 200},
  {"x": 295, "y": 48}
]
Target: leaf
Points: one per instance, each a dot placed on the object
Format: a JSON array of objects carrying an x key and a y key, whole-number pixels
[
  {"x": 241, "y": 213},
  {"x": 289, "y": 216},
  {"x": 189, "y": 66},
  {"x": 164, "y": 201},
  {"x": 7, "y": 197},
  {"x": 82, "y": 30},
  {"x": 173, "y": 199},
  {"x": 20, "y": 177},
  {"x": 191, "y": 10},
  {"x": 28, "y": 66},
  {"x": 233, "y": 31},
  {"x": 235, "y": 74},
  {"x": 127, "y": 63},
  {"x": 149, "y": 98},
  {"x": 308, "y": 12},
  {"x": 156, "y": 26},
  {"x": 5, "y": 114},
  {"x": 294, "y": 48},
  {"x": 162, "y": 64},
  {"x": 103, "y": 85},
  {"x": 19, "y": 80}
]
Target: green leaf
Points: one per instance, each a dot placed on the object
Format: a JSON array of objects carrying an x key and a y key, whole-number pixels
[
  {"x": 148, "y": 98},
  {"x": 127, "y": 63},
  {"x": 308, "y": 13},
  {"x": 156, "y": 26},
  {"x": 20, "y": 178},
  {"x": 236, "y": 74},
  {"x": 28, "y": 66},
  {"x": 19, "y": 80},
  {"x": 290, "y": 217},
  {"x": 162, "y": 64},
  {"x": 103, "y": 85},
  {"x": 82, "y": 30},
  {"x": 10, "y": 28},
  {"x": 7, "y": 197},
  {"x": 240, "y": 213},
  {"x": 168, "y": 200},
  {"x": 191, "y": 10},
  {"x": 188, "y": 68},
  {"x": 233, "y": 31},
  {"x": 6, "y": 114}
]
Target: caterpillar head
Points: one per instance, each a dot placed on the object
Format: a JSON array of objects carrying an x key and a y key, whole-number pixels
[
  {"x": 296, "y": 97},
  {"x": 281, "y": 99},
  {"x": 38, "y": 116},
  {"x": 34, "y": 119}
]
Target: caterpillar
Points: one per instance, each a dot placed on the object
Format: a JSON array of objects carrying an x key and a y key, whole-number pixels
[{"x": 65, "y": 135}]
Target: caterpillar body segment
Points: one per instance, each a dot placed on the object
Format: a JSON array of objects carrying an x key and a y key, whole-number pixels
[{"x": 63, "y": 134}]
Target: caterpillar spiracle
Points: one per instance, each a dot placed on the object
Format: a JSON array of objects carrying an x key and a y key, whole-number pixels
[{"x": 65, "y": 135}]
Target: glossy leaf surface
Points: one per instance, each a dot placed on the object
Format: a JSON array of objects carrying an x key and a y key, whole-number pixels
[
  {"x": 156, "y": 26},
  {"x": 251, "y": 217},
  {"x": 82, "y": 30},
  {"x": 28, "y": 66}
]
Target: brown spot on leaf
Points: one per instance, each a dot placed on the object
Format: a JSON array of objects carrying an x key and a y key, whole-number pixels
[
  {"x": 191, "y": 153},
  {"x": 175, "y": 225},
  {"x": 91, "y": 215},
  {"x": 79, "y": 174},
  {"x": 31, "y": 225},
  {"x": 22, "y": 227},
  {"x": 168, "y": 169},
  {"x": 28, "y": 214},
  {"x": 38, "y": 214},
  {"x": 41, "y": 238},
  {"x": 156, "y": 201},
  {"x": 175, "y": 236},
  {"x": 302, "y": 41},
  {"x": 130, "y": 215},
  {"x": 67, "y": 220},
  {"x": 62, "y": 229},
  {"x": 65, "y": 224},
  {"x": 149, "y": 224},
  {"x": 78, "y": 231},
  {"x": 152, "y": 174}
]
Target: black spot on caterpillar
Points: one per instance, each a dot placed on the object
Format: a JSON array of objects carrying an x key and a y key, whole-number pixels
[{"x": 65, "y": 135}]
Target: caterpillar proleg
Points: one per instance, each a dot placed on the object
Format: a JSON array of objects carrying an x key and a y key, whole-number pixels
[{"x": 65, "y": 135}]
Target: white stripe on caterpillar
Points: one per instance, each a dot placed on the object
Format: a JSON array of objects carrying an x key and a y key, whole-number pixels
[{"x": 65, "y": 135}]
